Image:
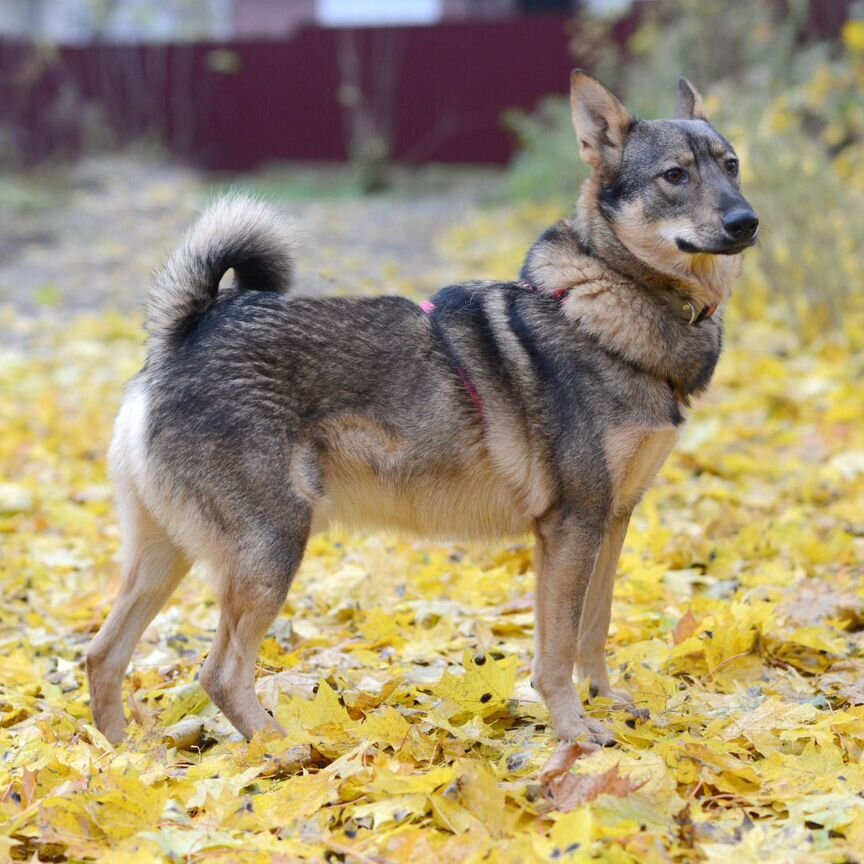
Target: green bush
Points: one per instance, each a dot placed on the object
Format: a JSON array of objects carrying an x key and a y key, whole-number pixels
[{"x": 547, "y": 164}]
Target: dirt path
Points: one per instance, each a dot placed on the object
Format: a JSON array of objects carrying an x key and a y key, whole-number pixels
[{"x": 92, "y": 238}]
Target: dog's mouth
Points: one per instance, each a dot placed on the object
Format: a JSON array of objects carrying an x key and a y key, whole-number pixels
[{"x": 725, "y": 247}]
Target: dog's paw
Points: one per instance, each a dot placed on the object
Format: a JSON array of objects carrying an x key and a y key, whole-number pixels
[
  {"x": 588, "y": 733},
  {"x": 621, "y": 701},
  {"x": 641, "y": 714},
  {"x": 601, "y": 734},
  {"x": 115, "y": 732}
]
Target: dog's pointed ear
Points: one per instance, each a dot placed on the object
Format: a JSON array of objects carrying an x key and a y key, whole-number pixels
[
  {"x": 601, "y": 120},
  {"x": 688, "y": 105}
]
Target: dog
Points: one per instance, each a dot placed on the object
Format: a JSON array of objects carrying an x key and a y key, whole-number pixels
[{"x": 542, "y": 405}]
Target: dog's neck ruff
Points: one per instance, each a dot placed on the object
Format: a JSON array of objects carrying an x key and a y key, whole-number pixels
[
  {"x": 681, "y": 306},
  {"x": 559, "y": 265}
]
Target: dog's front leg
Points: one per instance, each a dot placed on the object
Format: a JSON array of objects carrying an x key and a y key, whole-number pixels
[
  {"x": 566, "y": 553},
  {"x": 594, "y": 628}
]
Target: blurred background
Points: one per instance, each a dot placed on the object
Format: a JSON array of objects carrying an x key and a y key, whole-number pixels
[{"x": 416, "y": 141}]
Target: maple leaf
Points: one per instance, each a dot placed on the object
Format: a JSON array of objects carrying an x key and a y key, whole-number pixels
[
  {"x": 484, "y": 689},
  {"x": 685, "y": 628},
  {"x": 570, "y": 790}
]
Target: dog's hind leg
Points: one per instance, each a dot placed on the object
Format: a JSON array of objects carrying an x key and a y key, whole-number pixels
[
  {"x": 152, "y": 569},
  {"x": 253, "y": 591}
]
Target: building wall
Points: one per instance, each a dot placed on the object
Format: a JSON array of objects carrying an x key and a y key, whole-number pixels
[
  {"x": 270, "y": 19},
  {"x": 79, "y": 22},
  {"x": 462, "y": 9},
  {"x": 257, "y": 19},
  {"x": 82, "y": 21}
]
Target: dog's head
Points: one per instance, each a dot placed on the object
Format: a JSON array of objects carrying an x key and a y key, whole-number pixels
[{"x": 670, "y": 190}]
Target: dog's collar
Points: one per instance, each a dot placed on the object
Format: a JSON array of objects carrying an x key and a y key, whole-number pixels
[{"x": 683, "y": 308}]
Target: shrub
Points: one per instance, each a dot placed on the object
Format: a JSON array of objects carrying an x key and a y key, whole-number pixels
[{"x": 547, "y": 164}]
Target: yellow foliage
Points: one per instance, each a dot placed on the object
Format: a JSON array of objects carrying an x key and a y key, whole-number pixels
[
  {"x": 400, "y": 668},
  {"x": 853, "y": 36}
]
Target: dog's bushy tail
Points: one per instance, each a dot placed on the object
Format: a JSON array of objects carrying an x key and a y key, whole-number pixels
[{"x": 236, "y": 233}]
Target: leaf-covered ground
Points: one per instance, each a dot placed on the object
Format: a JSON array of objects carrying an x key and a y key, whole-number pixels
[{"x": 400, "y": 668}]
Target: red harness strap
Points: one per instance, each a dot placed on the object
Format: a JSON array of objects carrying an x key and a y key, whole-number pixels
[
  {"x": 559, "y": 294},
  {"x": 468, "y": 384},
  {"x": 429, "y": 307}
]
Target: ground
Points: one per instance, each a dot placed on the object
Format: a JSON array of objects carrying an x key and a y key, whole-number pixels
[
  {"x": 87, "y": 239},
  {"x": 401, "y": 668}
]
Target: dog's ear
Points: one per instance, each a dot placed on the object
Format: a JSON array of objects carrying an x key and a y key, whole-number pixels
[
  {"x": 601, "y": 121},
  {"x": 688, "y": 105}
]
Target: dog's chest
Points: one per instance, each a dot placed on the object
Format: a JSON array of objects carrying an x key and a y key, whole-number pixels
[{"x": 634, "y": 455}]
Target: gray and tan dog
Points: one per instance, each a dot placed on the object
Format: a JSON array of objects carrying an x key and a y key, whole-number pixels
[{"x": 543, "y": 405}]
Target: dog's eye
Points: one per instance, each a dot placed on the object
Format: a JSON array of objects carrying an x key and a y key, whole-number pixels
[
  {"x": 732, "y": 167},
  {"x": 676, "y": 176}
]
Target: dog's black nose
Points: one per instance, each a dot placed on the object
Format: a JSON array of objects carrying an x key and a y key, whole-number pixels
[{"x": 741, "y": 224}]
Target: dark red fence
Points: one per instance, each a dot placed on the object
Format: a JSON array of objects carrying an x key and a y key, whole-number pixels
[
  {"x": 441, "y": 91},
  {"x": 437, "y": 93}
]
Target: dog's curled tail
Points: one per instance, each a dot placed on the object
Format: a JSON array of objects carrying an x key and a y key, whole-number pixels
[{"x": 236, "y": 233}]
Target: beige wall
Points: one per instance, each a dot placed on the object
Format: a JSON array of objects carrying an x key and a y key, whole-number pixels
[
  {"x": 260, "y": 18},
  {"x": 477, "y": 8}
]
